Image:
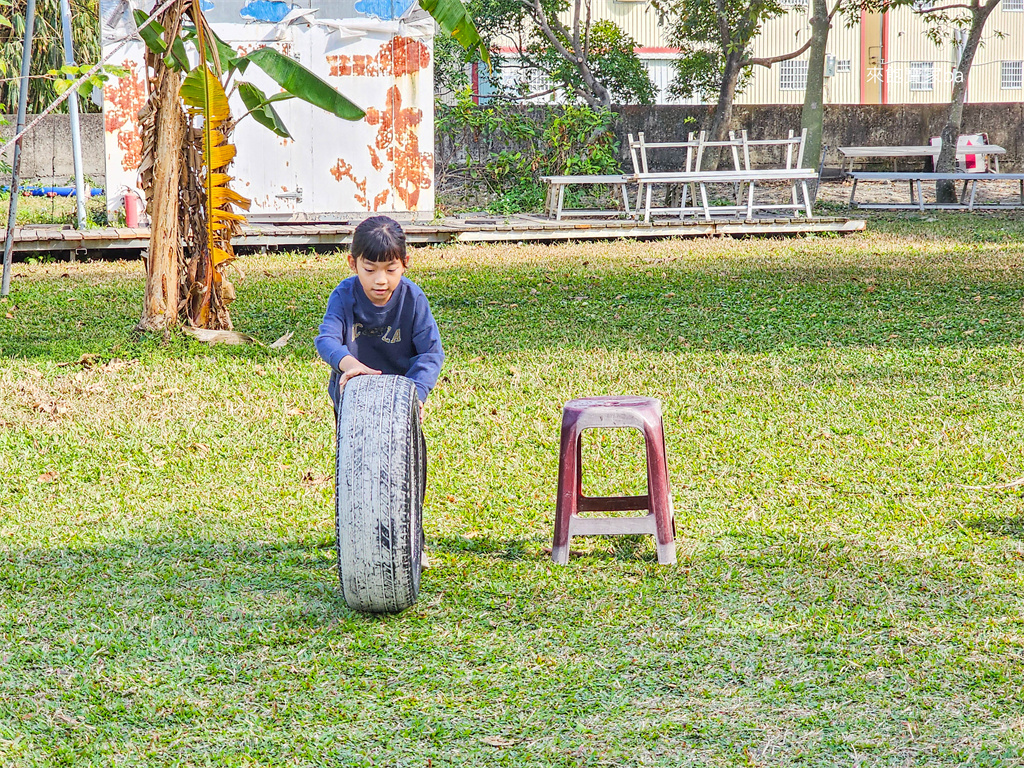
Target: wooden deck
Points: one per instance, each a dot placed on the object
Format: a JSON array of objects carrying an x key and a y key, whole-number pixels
[{"x": 477, "y": 228}]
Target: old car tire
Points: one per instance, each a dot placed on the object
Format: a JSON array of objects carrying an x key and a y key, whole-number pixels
[{"x": 381, "y": 478}]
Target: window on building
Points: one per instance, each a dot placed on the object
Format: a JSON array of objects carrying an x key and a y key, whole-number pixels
[
  {"x": 793, "y": 3},
  {"x": 793, "y": 75},
  {"x": 922, "y": 75},
  {"x": 923, "y": 5},
  {"x": 1012, "y": 74},
  {"x": 1013, "y": 5},
  {"x": 526, "y": 81},
  {"x": 843, "y": 66}
]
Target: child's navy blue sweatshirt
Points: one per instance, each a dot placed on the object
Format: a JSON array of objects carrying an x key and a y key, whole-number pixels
[{"x": 400, "y": 338}]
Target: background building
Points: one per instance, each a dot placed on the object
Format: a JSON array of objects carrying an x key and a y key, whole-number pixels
[{"x": 882, "y": 58}]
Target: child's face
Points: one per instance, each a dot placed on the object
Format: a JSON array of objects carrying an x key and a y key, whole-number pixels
[{"x": 378, "y": 278}]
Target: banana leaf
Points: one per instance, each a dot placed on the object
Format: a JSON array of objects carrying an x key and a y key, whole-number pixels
[
  {"x": 203, "y": 94},
  {"x": 153, "y": 36},
  {"x": 262, "y": 109},
  {"x": 453, "y": 18},
  {"x": 301, "y": 82}
]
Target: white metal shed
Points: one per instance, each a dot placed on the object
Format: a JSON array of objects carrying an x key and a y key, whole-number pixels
[{"x": 378, "y": 53}]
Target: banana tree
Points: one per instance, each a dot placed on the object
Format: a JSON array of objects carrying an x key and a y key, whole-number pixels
[{"x": 187, "y": 151}]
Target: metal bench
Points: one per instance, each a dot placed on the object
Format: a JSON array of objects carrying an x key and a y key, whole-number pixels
[{"x": 914, "y": 180}]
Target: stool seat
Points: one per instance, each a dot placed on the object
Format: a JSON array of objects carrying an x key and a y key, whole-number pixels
[{"x": 643, "y": 413}]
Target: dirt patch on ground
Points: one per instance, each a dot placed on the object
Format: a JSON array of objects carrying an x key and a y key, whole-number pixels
[
  {"x": 898, "y": 193},
  {"x": 836, "y": 192}
]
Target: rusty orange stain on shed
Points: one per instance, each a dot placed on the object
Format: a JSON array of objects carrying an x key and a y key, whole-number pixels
[
  {"x": 343, "y": 170},
  {"x": 398, "y": 137},
  {"x": 125, "y": 98},
  {"x": 397, "y": 57},
  {"x": 397, "y": 142}
]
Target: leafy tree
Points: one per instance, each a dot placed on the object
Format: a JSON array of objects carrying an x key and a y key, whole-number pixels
[
  {"x": 964, "y": 19},
  {"x": 451, "y": 61},
  {"x": 47, "y": 49},
  {"x": 592, "y": 61},
  {"x": 613, "y": 64},
  {"x": 943, "y": 18},
  {"x": 715, "y": 39},
  {"x": 186, "y": 129}
]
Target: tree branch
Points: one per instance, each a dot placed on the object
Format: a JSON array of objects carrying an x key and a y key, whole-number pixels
[
  {"x": 723, "y": 24},
  {"x": 586, "y": 34},
  {"x": 545, "y": 25},
  {"x": 769, "y": 60},
  {"x": 598, "y": 95},
  {"x": 576, "y": 25},
  {"x": 939, "y": 9}
]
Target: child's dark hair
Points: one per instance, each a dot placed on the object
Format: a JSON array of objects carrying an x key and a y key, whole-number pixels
[{"x": 379, "y": 239}]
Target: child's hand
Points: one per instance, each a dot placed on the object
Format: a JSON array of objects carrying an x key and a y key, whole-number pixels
[
  {"x": 352, "y": 367},
  {"x": 422, "y": 412}
]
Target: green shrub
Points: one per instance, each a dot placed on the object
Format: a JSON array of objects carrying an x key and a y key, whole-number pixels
[{"x": 507, "y": 148}]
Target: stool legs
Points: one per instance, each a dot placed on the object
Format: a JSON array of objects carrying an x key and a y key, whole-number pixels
[
  {"x": 570, "y": 486},
  {"x": 658, "y": 494},
  {"x": 658, "y": 501}
]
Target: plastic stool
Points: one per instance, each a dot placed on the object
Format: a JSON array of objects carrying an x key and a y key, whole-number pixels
[{"x": 643, "y": 413}]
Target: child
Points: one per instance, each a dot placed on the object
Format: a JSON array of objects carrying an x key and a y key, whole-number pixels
[{"x": 378, "y": 321}]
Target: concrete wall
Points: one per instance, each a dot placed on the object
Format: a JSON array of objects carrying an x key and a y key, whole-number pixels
[
  {"x": 855, "y": 125},
  {"x": 845, "y": 125},
  {"x": 46, "y": 154},
  {"x": 46, "y": 151}
]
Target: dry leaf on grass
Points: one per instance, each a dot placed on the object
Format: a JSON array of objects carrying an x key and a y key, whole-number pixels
[
  {"x": 232, "y": 337},
  {"x": 92, "y": 360},
  {"x": 281, "y": 342},
  {"x": 47, "y": 477},
  {"x": 50, "y": 407},
  {"x": 315, "y": 479},
  {"x": 997, "y": 487},
  {"x": 219, "y": 337},
  {"x": 498, "y": 741}
]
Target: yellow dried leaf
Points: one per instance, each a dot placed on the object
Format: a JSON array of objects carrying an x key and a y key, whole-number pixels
[
  {"x": 222, "y": 195},
  {"x": 220, "y": 156},
  {"x": 219, "y": 256},
  {"x": 220, "y": 213}
]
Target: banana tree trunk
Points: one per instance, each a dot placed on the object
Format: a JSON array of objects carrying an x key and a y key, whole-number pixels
[
  {"x": 163, "y": 270},
  {"x": 163, "y": 125}
]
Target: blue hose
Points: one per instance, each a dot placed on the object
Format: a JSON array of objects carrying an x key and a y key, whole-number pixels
[{"x": 58, "y": 191}]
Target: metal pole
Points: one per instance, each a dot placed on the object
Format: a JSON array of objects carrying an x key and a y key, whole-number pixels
[
  {"x": 76, "y": 139},
  {"x": 26, "y": 62}
]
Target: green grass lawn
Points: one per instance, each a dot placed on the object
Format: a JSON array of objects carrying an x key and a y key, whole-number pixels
[
  {"x": 840, "y": 414},
  {"x": 48, "y": 211}
]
